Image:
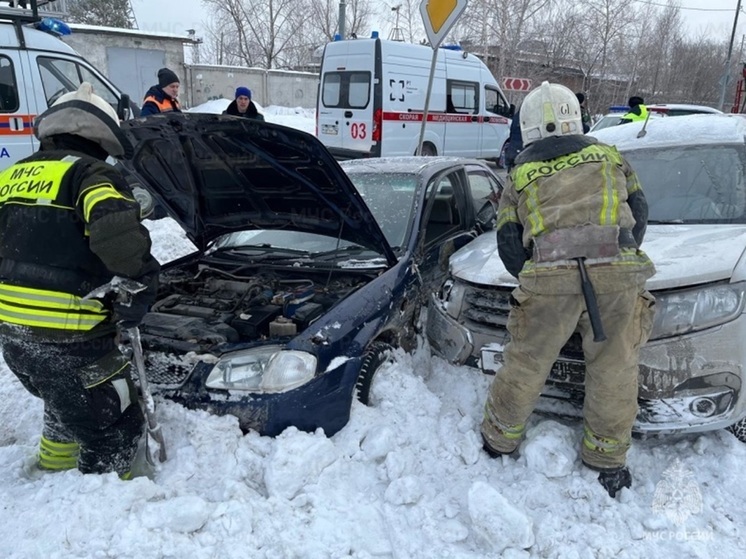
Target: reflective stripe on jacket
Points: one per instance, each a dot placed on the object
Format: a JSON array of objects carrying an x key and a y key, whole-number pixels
[{"x": 51, "y": 204}]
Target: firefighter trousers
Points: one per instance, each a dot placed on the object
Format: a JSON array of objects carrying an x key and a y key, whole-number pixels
[
  {"x": 539, "y": 326},
  {"x": 89, "y": 397}
]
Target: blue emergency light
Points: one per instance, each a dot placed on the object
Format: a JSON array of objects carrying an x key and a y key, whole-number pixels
[
  {"x": 53, "y": 26},
  {"x": 618, "y": 109}
]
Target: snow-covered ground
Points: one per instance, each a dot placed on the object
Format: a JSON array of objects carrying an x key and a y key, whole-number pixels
[{"x": 406, "y": 478}]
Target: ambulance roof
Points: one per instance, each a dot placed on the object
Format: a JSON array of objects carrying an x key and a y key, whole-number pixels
[{"x": 35, "y": 39}]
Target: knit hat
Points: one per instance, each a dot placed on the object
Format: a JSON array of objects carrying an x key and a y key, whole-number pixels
[
  {"x": 87, "y": 115},
  {"x": 167, "y": 77},
  {"x": 581, "y": 97},
  {"x": 245, "y": 91},
  {"x": 635, "y": 100}
]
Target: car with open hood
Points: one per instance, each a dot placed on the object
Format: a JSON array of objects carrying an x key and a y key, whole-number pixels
[
  {"x": 305, "y": 275},
  {"x": 691, "y": 374}
]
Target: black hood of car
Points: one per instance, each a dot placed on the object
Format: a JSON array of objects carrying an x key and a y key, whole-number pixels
[{"x": 217, "y": 174}]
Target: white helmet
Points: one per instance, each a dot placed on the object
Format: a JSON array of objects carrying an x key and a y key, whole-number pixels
[
  {"x": 85, "y": 114},
  {"x": 550, "y": 110}
]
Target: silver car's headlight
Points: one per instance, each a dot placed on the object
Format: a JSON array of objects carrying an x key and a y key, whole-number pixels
[
  {"x": 697, "y": 309},
  {"x": 265, "y": 369}
]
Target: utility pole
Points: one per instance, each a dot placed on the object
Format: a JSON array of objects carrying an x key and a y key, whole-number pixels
[
  {"x": 724, "y": 80},
  {"x": 396, "y": 33},
  {"x": 342, "y": 6}
]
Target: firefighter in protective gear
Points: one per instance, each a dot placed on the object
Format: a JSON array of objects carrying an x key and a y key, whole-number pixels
[
  {"x": 68, "y": 224},
  {"x": 637, "y": 110},
  {"x": 571, "y": 200}
]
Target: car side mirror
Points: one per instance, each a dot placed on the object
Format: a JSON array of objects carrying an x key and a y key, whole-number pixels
[
  {"x": 123, "y": 107},
  {"x": 511, "y": 111}
]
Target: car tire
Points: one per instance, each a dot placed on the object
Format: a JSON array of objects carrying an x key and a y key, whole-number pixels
[
  {"x": 739, "y": 430},
  {"x": 428, "y": 150},
  {"x": 377, "y": 355}
]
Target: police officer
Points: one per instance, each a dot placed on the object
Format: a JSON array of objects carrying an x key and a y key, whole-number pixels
[
  {"x": 637, "y": 110},
  {"x": 68, "y": 224},
  {"x": 571, "y": 201}
]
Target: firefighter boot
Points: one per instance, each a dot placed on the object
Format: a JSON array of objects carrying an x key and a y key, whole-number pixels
[
  {"x": 614, "y": 479},
  {"x": 57, "y": 456}
]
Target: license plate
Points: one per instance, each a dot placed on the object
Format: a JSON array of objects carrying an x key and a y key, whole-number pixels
[
  {"x": 329, "y": 129},
  {"x": 563, "y": 370}
]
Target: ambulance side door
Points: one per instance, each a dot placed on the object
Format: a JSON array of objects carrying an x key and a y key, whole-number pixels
[{"x": 17, "y": 107}]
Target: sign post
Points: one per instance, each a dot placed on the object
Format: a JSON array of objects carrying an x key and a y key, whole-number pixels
[{"x": 438, "y": 17}]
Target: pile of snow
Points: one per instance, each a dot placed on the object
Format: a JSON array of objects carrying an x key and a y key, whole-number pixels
[
  {"x": 297, "y": 117},
  {"x": 406, "y": 478}
]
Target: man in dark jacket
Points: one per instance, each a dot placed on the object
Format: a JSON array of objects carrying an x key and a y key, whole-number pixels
[
  {"x": 162, "y": 97},
  {"x": 69, "y": 224},
  {"x": 243, "y": 106},
  {"x": 572, "y": 205},
  {"x": 585, "y": 116}
]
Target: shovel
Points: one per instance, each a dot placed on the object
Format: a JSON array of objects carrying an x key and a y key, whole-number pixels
[{"x": 125, "y": 289}]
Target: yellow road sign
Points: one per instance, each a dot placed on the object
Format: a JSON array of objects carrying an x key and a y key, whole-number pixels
[{"x": 439, "y": 16}]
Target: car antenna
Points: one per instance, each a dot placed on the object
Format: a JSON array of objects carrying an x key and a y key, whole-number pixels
[{"x": 642, "y": 131}]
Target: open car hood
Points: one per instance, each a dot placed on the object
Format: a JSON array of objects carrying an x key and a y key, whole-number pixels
[
  {"x": 683, "y": 255},
  {"x": 217, "y": 174}
]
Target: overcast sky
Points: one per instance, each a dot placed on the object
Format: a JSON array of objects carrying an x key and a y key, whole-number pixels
[{"x": 715, "y": 17}]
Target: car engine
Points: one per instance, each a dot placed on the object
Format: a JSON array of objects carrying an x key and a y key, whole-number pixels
[{"x": 199, "y": 312}]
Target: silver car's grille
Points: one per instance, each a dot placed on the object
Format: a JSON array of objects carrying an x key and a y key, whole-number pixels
[
  {"x": 488, "y": 307},
  {"x": 491, "y": 307}
]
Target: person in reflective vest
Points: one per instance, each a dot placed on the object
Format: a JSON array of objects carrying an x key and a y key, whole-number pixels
[
  {"x": 162, "y": 97},
  {"x": 68, "y": 224},
  {"x": 637, "y": 110},
  {"x": 572, "y": 214}
]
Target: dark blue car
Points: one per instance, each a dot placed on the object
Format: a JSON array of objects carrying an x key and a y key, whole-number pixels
[{"x": 307, "y": 275}]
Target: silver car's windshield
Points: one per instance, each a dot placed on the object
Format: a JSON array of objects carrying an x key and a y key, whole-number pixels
[{"x": 692, "y": 184}]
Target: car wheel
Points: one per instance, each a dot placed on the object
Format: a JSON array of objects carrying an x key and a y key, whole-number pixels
[
  {"x": 428, "y": 150},
  {"x": 377, "y": 355},
  {"x": 739, "y": 430}
]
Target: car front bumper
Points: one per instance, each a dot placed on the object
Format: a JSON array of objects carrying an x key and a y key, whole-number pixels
[
  {"x": 323, "y": 402},
  {"x": 688, "y": 383}
]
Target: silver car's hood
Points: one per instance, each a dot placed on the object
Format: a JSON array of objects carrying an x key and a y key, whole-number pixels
[{"x": 683, "y": 255}]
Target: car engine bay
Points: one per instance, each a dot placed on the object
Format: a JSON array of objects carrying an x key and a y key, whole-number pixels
[{"x": 200, "y": 310}]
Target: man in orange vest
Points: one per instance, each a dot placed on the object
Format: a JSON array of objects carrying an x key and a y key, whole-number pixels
[{"x": 162, "y": 98}]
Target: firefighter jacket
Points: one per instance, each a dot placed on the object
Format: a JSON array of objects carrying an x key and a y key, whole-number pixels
[
  {"x": 68, "y": 224},
  {"x": 158, "y": 101},
  {"x": 638, "y": 112},
  {"x": 570, "y": 197}
]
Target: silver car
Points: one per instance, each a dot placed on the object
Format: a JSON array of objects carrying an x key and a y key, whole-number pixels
[{"x": 693, "y": 172}]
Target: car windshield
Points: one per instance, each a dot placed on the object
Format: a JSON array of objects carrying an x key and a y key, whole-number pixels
[
  {"x": 606, "y": 121},
  {"x": 692, "y": 184},
  {"x": 390, "y": 197}
]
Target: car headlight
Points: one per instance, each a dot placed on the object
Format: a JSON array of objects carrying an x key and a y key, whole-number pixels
[
  {"x": 266, "y": 369},
  {"x": 697, "y": 309}
]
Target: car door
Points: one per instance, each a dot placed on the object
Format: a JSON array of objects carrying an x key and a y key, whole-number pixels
[
  {"x": 448, "y": 224},
  {"x": 485, "y": 190}
]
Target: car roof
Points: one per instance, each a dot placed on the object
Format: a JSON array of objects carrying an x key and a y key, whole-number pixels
[
  {"x": 406, "y": 164},
  {"x": 697, "y": 129},
  {"x": 683, "y": 107}
]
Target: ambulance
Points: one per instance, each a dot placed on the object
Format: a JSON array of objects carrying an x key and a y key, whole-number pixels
[
  {"x": 36, "y": 68},
  {"x": 372, "y": 93}
]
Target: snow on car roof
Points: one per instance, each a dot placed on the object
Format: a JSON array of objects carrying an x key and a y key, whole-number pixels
[{"x": 682, "y": 130}]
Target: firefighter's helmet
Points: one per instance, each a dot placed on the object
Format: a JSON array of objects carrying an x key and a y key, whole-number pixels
[
  {"x": 550, "y": 110},
  {"x": 85, "y": 114}
]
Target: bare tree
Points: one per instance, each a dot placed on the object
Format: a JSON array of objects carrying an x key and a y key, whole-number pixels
[
  {"x": 263, "y": 29},
  {"x": 110, "y": 13}
]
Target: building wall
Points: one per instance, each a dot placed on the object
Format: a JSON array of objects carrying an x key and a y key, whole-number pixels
[
  {"x": 268, "y": 87},
  {"x": 92, "y": 45}
]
